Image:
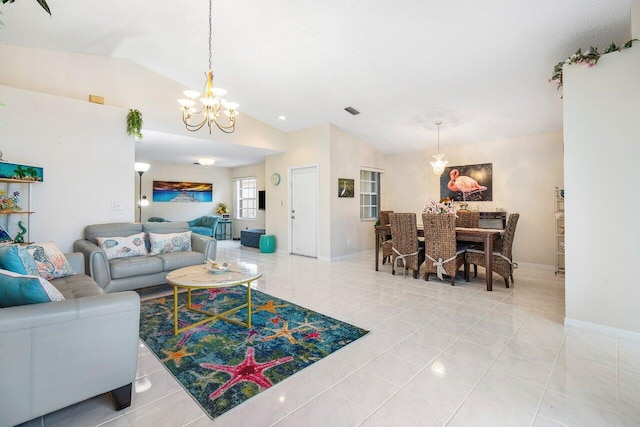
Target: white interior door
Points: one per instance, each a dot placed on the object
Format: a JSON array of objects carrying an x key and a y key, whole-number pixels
[{"x": 304, "y": 211}]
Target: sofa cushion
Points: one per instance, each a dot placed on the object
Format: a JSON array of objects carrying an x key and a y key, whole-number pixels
[
  {"x": 123, "y": 247},
  {"x": 134, "y": 266},
  {"x": 50, "y": 261},
  {"x": 77, "y": 286},
  {"x": 16, "y": 258},
  {"x": 174, "y": 260},
  {"x": 18, "y": 289},
  {"x": 170, "y": 242}
]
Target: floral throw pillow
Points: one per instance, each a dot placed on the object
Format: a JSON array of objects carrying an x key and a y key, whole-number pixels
[
  {"x": 123, "y": 247},
  {"x": 170, "y": 242},
  {"x": 51, "y": 263}
]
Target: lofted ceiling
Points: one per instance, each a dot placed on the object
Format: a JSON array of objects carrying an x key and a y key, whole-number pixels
[{"x": 482, "y": 67}]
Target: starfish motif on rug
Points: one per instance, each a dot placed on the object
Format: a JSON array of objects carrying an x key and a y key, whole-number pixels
[
  {"x": 176, "y": 356},
  {"x": 282, "y": 332},
  {"x": 314, "y": 335},
  {"x": 269, "y": 307},
  {"x": 308, "y": 325},
  {"x": 248, "y": 370},
  {"x": 214, "y": 292}
]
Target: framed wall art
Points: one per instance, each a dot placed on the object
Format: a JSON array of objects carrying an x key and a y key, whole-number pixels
[
  {"x": 467, "y": 183},
  {"x": 345, "y": 187},
  {"x": 182, "y": 192}
]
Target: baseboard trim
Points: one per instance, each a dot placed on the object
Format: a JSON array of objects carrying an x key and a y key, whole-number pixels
[
  {"x": 602, "y": 329},
  {"x": 537, "y": 266}
]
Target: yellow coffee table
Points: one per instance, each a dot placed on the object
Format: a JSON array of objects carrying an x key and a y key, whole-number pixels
[{"x": 200, "y": 277}]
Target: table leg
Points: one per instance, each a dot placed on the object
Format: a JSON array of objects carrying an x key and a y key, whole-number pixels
[
  {"x": 377, "y": 248},
  {"x": 488, "y": 260},
  {"x": 175, "y": 310},
  {"x": 249, "y": 305}
]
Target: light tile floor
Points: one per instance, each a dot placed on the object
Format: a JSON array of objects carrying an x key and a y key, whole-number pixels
[{"x": 437, "y": 355}]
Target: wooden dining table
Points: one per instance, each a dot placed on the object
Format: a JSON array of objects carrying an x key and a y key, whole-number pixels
[{"x": 477, "y": 235}]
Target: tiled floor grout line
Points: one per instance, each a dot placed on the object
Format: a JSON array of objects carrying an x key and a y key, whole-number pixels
[
  {"x": 546, "y": 386},
  {"x": 488, "y": 369}
]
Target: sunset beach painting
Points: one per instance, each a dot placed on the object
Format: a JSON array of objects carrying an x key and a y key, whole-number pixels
[{"x": 186, "y": 192}]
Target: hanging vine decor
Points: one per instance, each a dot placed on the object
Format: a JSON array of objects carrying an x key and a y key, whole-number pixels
[{"x": 590, "y": 57}]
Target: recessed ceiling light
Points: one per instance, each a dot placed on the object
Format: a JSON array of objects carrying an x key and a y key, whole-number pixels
[{"x": 282, "y": 118}]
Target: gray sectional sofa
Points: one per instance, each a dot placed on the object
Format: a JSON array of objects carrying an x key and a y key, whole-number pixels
[
  {"x": 56, "y": 354},
  {"x": 139, "y": 271}
]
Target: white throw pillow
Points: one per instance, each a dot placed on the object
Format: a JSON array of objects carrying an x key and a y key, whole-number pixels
[
  {"x": 123, "y": 247},
  {"x": 170, "y": 242},
  {"x": 51, "y": 262}
]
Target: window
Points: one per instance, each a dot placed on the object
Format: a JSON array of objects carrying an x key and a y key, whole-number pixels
[
  {"x": 246, "y": 197},
  {"x": 369, "y": 194}
]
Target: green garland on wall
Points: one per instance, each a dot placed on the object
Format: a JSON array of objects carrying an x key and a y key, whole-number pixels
[{"x": 590, "y": 57}]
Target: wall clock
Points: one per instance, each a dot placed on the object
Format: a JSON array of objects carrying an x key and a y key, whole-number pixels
[{"x": 275, "y": 179}]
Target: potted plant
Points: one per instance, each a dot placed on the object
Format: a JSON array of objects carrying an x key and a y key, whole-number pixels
[{"x": 134, "y": 124}]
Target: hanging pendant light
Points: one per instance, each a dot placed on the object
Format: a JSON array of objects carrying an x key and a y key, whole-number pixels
[
  {"x": 438, "y": 165},
  {"x": 213, "y": 105}
]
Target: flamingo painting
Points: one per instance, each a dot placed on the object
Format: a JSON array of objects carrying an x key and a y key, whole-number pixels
[{"x": 464, "y": 184}]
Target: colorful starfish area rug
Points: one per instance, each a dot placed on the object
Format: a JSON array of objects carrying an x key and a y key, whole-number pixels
[{"x": 222, "y": 364}]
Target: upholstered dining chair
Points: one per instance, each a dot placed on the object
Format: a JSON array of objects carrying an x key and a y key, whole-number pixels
[
  {"x": 406, "y": 250},
  {"x": 387, "y": 244},
  {"x": 467, "y": 219},
  {"x": 503, "y": 263},
  {"x": 441, "y": 252}
]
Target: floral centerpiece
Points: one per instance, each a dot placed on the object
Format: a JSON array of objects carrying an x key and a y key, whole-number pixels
[
  {"x": 222, "y": 208},
  {"x": 9, "y": 202},
  {"x": 441, "y": 207}
]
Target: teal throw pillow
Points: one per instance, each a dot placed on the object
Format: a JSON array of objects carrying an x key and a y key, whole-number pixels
[
  {"x": 16, "y": 258},
  {"x": 18, "y": 289}
]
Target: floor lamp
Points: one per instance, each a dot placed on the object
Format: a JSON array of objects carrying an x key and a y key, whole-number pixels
[{"x": 141, "y": 168}]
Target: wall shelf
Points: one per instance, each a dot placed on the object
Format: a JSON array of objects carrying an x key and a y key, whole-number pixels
[{"x": 558, "y": 207}]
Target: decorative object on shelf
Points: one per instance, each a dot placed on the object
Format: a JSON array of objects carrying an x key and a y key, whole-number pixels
[
  {"x": 141, "y": 168},
  {"x": 170, "y": 191},
  {"x": 213, "y": 105},
  {"x": 438, "y": 165},
  {"x": 20, "y": 236},
  {"x": 590, "y": 57},
  {"x": 441, "y": 207},
  {"x": 9, "y": 201},
  {"x": 134, "y": 124},
  {"x": 468, "y": 183},
  {"x": 206, "y": 161},
  {"x": 21, "y": 172},
  {"x": 222, "y": 208},
  {"x": 275, "y": 178},
  {"x": 345, "y": 187}
]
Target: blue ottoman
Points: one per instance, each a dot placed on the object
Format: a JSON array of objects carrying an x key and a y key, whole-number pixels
[
  {"x": 251, "y": 237},
  {"x": 267, "y": 243}
]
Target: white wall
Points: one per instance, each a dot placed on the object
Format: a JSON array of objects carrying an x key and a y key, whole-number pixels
[
  {"x": 602, "y": 128},
  {"x": 348, "y": 233},
  {"x": 87, "y": 161},
  {"x": 525, "y": 173},
  {"x": 256, "y": 170},
  {"x": 219, "y": 177},
  {"x": 122, "y": 84}
]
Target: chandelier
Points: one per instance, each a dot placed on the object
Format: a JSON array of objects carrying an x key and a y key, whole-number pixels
[
  {"x": 213, "y": 105},
  {"x": 438, "y": 165}
]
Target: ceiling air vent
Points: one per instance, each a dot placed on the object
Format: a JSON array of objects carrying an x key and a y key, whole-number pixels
[{"x": 352, "y": 111}]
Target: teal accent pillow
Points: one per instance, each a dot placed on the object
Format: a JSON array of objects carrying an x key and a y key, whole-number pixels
[
  {"x": 18, "y": 289},
  {"x": 16, "y": 258}
]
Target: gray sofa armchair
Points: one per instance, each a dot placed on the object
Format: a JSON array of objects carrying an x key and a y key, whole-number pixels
[
  {"x": 136, "y": 272},
  {"x": 56, "y": 354}
]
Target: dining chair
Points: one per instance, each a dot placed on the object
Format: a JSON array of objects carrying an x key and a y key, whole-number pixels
[
  {"x": 387, "y": 244},
  {"x": 503, "y": 263},
  {"x": 467, "y": 219},
  {"x": 441, "y": 251},
  {"x": 406, "y": 250}
]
